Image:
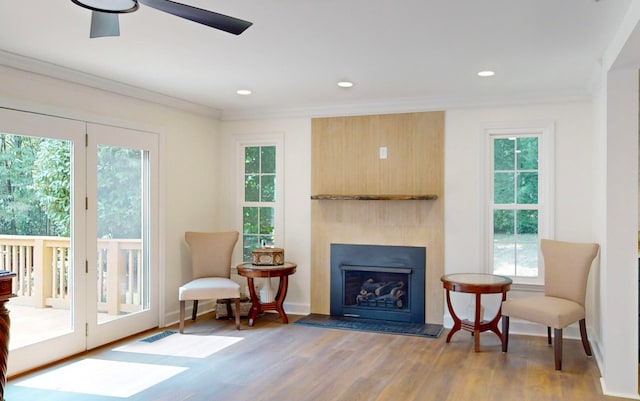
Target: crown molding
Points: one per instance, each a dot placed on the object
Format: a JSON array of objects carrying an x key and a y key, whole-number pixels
[
  {"x": 409, "y": 105},
  {"x": 55, "y": 71}
]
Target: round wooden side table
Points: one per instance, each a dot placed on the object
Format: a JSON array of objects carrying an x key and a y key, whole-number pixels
[
  {"x": 478, "y": 284},
  {"x": 251, "y": 271}
]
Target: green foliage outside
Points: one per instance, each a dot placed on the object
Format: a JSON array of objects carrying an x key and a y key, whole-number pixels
[
  {"x": 35, "y": 188},
  {"x": 259, "y": 188},
  {"x": 51, "y": 180},
  {"x": 119, "y": 192},
  {"x": 21, "y": 209},
  {"x": 515, "y": 182}
]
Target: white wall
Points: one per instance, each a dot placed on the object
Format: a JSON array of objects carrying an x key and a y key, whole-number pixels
[
  {"x": 188, "y": 141},
  {"x": 616, "y": 194},
  {"x": 619, "y": 275},
  {"x": 466, "y": 164},
  {"x": 297, "y": 192}
]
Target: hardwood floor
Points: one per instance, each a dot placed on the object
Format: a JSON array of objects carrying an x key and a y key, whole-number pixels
[{"x": 281, "y": 362}]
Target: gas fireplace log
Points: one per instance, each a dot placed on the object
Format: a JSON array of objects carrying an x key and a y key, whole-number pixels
[
  {"x": 386, "y": 301},
  {"x": 382, "y": 294},
  {"x": 386, "y": 288},
  {"x": 370, "y": 286}
]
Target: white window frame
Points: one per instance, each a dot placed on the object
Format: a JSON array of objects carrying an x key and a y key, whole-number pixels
[
  {"x": 546, "y": 184},
  {"x": 248, "y": 140}
]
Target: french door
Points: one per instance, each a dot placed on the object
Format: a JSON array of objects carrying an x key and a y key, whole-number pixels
[
  {"x": 79, "y": 229},
  {"x": 122, "y": 193}
]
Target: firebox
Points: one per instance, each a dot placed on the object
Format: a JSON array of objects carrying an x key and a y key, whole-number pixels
[{"x": 378, "y": 282}]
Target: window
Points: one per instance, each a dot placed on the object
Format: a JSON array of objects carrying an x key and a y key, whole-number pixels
[
  {"x": 260, "y": 196},
  {"x": 519, "y": 207}
]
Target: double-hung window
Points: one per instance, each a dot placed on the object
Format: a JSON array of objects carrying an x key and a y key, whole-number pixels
[
  {"x": 261, "y": 195},
  {"x": 520, "y": 207}
]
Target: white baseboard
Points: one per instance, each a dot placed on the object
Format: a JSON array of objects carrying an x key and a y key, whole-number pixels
[
  {"x": 603, "y": 384},
  {"x": 297, "y": 308}
]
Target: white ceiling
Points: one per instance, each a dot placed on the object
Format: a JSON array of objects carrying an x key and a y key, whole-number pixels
[{"x": 403, "y": 52}]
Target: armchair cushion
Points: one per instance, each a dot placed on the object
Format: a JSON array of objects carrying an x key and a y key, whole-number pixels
[
  {"x": 550, "y": 311},
  {"x": 209, "y": 288}
]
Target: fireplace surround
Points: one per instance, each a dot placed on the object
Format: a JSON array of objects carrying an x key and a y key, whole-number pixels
[{"x": 378, "y": 282}]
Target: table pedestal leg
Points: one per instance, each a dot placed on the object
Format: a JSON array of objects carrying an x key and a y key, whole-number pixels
[
  {"x": 257, "y": 306},
  {"x": 255, "y": 302},
  {"x": 476, "y": 324},
  {"x": 493, "y": 324},
  {"x": 280, "y": 295},
  {"x": 457, "y": 323}
]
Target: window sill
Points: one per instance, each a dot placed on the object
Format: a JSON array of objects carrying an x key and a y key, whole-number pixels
[{"x": 521, "y": 287}]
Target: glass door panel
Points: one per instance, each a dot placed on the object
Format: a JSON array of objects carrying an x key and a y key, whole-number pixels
[
  {"x": 122, "y": 278},
  {"x": 41, "y": 193},
  {"x": 35, "y": 241}
]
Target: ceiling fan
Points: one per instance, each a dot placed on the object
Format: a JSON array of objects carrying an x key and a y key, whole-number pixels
[{"x": 104, "y": 16}]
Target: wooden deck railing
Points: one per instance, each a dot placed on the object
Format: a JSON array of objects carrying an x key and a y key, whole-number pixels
[{"x": 42, "y": 272}]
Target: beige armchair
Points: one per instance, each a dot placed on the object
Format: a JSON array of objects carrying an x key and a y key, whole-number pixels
[
  {"x": 566, "y": 269},
  {"x": 211, "y": 271}
]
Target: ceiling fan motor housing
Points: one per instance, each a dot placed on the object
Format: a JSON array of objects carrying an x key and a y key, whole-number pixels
[{"x": 109, "y": 6}]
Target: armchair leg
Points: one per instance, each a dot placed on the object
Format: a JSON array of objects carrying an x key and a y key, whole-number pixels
[
  {"x": 182, "y": 306},
  {"x": 236, "y": 301},
  {"x": 557, "y": 347},
  {"x": 195, "y": 310},
  {"x": 585, "y": 338},
  {"x": 505, "y": 333},
  {"x": 549, "y": 335}
]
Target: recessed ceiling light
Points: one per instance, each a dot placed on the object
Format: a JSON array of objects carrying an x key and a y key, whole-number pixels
[
  {"x": 487, "y": 73},
  {"x": 345, "y": 84},
  {"x": 243, "y": 92}
]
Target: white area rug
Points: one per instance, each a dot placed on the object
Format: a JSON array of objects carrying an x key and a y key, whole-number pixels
[
  {"x": 184, "y": 345},
  {"x": 102, "y": 377}
]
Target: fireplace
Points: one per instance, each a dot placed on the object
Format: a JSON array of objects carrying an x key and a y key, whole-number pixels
[{"x": 378, "y": 282}]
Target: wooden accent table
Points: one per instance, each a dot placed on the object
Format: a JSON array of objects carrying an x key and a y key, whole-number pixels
[
  {"x": 251, "y": 271},
  {"x": 6, "y": 286},
  {"x": 478, "y": 284}
]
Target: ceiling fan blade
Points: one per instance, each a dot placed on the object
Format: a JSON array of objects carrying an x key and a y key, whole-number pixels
[
  {"x": 218, "y": 21},
  {"x": 104, "y": 24}
]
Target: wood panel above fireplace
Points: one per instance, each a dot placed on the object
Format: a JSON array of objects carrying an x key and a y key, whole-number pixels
[
  {"x": 373, "y": 197},
  {"x": 345, "y": 154}
]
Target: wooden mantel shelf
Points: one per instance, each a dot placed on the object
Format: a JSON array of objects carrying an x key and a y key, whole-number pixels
[{"x": 374, "y": 197}]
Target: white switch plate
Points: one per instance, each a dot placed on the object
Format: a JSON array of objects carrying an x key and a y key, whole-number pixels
[{"x": 383, "y": 152}]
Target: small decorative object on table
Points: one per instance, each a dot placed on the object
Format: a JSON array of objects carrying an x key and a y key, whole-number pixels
[{"x": 267, "y": 256}]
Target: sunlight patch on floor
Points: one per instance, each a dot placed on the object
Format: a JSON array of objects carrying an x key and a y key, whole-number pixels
[
  {"x": 181, "y": 345},
  {"x": 102, "y": 377}
]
